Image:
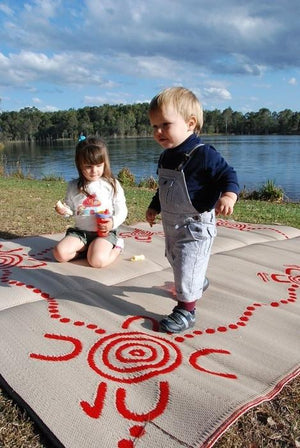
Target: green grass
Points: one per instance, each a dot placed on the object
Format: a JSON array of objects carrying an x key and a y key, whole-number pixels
[
  {"x": 258, "y": 212},
  {"x": 27, "y": 208}
]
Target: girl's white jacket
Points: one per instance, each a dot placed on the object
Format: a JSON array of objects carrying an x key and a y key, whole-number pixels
[{"x": 101, "y": 197}]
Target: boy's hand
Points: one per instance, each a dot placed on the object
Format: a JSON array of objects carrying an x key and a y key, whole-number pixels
[
  {"x": 150, "y": 216},
  {"x": 225, "y": 204}
]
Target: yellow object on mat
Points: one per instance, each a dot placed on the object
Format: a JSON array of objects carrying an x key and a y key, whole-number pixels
[{"x": 138, "y": 258}]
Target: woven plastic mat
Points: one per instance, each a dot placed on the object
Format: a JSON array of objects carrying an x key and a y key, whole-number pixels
[{"x": 81, "y": 351}]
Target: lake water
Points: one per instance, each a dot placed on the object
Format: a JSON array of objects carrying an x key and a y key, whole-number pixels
[{"x": 255, "y": 158}]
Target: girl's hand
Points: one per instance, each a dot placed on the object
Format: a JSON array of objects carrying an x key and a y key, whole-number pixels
[
  {"x": 62, "y": 209},
  {"x": 104, "y": 226},
  {"x": 150, "y": 216}
]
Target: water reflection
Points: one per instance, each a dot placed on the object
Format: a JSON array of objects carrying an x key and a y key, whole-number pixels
[{"x": 255, "y": 158}]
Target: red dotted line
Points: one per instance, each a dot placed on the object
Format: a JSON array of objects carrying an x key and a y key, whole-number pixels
[
  {"x": 5, "y": 275},
  {"x": 53, "y": 308},
  {"x": 136, "y": 431},
  {"x": 244, "y": 319},
  {"x": 41, "y": 255}
]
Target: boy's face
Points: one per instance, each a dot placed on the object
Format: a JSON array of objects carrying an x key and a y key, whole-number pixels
[{"x": 169, "y": 127}]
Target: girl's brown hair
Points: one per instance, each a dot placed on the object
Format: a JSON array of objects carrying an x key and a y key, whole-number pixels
[{"x": 92, "y": 151}]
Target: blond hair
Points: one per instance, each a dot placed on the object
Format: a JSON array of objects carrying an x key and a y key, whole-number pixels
[{"x": 184, "y": 102}]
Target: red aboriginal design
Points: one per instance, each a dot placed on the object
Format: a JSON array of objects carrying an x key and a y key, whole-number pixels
[
  {"x": 10, "y": 258},
  {"x": 76, "y": 351},
  {"x": 147, "y": 416},
  {"x": 95, "y": 410},
  {"x": 205, "y": 352},
  {"x": 13, "y": 258},
  {"x": 144, "y": 236},
  {"x": 291, "y": 275},
  {"x": 133, "y": 357},
  {"x": 244, "y": 227},
  {"x": 127, "y": 358}
]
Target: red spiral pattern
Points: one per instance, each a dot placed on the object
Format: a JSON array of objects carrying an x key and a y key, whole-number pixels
[
  {"x": 233, "y": 225},
  {"x": 9, "y": 259},
  {"x": 133, "y": 357},
  {"x": 294, "y": 279}
]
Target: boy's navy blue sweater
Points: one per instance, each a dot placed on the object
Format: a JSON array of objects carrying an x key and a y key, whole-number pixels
[{"x": 207, "y": 174}]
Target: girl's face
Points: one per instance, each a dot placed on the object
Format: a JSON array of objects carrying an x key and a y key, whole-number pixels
[
  {"x": 92, "y": 172},
  {"x": 169, "y": 127}
]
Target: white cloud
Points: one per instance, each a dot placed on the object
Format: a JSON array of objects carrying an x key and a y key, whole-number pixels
[
  {"x": 44, "y": 8},
  {"x": 216, "y": 94},
  {"x": 169, "y": 30},
  {"x": 27, "y": 66},
  {"x": 6, "y": 9},
  {"x": 104, "y": 47},
  {"x": 49, "y": 108},
  {"x": 292, "y": 81}
]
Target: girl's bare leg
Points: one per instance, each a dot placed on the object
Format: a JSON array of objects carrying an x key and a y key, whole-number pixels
[
  {"x": 101, "y": 253},
  {"x": 68, "y": 248}
]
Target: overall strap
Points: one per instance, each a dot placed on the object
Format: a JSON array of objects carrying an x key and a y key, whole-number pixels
[{"x": 188, "y": 157}]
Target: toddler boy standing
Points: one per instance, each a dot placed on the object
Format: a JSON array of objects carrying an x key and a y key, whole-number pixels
[{"x": 194, "y": 181}]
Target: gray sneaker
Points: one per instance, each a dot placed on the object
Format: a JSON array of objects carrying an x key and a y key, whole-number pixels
[{"x": 178, "y": 320}]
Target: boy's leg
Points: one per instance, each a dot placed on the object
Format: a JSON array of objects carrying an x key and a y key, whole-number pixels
[
  {"x": 189, "y": 259},
  {"x": 183, "y": 315},
  {"x": 190, "y": 269}
]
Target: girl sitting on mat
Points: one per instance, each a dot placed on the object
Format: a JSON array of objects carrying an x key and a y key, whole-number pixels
[{"x": 96, "y": 190}]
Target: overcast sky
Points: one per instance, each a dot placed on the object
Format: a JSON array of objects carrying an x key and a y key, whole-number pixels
[{"x": 62, "y": 54}]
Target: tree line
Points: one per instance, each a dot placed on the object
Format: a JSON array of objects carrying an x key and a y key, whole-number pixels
[{"x": 31, "y": 124}]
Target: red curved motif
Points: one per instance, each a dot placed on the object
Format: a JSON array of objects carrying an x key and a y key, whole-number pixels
[
  {"x": 291, "y": 268},
  {"x": 205, "y": 352},
  {"x": 127, "y": 322},
  {"x": 95, "y": 410},
  {"x": 154, "y": 413},
  {"x": 76, "y": 351},
  {"x": 280, "y": 278}
]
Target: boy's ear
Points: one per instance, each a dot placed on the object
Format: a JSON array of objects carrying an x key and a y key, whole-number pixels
[{"x": 192, "y": 123}]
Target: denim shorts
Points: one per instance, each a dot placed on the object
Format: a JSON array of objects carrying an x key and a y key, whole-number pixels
[{"x": 87, "y": 236}]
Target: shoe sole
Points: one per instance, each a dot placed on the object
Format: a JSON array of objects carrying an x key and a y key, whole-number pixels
[{"x": 168, "y": 330}]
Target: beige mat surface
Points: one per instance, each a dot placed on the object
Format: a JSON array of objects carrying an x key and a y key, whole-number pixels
[{"x": 80, "y": 347}]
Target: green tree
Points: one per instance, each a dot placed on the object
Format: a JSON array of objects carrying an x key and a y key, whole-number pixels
[
  {"x": 227, "y": 118},
  {"x": 28, "y": 123},
  {"x": 264, "y": 123},
  {"x": 71, "y": 124},
  {"x": 133, "y": 120}
]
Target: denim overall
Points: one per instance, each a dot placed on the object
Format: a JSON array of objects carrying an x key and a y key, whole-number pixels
[{"x": 188, "y": 234}]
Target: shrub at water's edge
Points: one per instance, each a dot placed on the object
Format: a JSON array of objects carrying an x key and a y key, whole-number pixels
[
  {"x": 268, "y": 192},
  {"x": 27, "y": 207}
]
